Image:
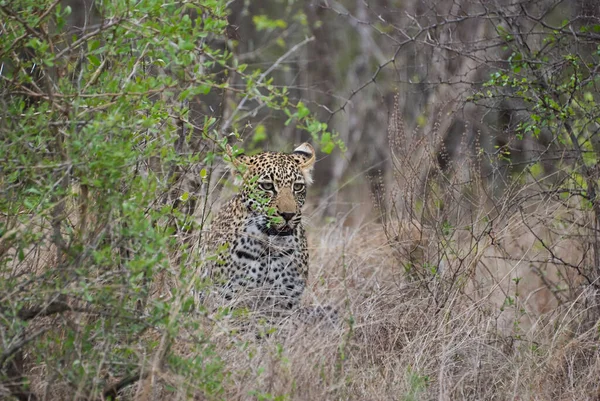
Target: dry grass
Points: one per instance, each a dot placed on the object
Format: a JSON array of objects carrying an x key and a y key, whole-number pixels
[
  {"x": 403, "y": 335},
  {"x": 397, "y": 341},
  {"x": 476, "y": 297},
  {"x": 501, "y": 317}
]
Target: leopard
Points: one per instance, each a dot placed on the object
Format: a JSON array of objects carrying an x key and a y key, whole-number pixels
[{"x": 257, "y": 238}]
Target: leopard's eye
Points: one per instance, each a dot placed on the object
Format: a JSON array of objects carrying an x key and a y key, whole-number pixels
[
  {"x": 298, "y": 186},
  {"x": 266, "y": 186}
]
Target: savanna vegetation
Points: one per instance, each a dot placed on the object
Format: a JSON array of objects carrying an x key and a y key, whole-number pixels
[{"x": 454, "y": 219}]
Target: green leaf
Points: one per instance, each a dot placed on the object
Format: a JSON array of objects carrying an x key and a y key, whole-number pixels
[
  {"x": 95, "y": 61},
  {"x": 327, "y": 144},
  {"x": 263, "y": 22},
  {"x": 260, "y": 134},
  {"x": 303, "y": 111},
  {"x": 93, "y": 45},
  {"x": 536, "y": 169},
  {"x": 186, "y": 45}
]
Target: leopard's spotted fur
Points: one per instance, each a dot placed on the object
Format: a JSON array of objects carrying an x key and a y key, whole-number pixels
[{"x": 263, "y": 257}]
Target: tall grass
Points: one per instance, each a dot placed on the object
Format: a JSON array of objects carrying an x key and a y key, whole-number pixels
[{"x": 453, "y": 290}]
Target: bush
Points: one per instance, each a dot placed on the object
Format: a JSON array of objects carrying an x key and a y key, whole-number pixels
[{"x": 108, "y": 134}]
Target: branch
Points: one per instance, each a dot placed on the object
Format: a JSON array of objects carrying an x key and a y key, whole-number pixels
[
  {"x": 60, "y": 306},
  {"x": 88, "y": 35},
  {"x": 52, "y": 308},
  {"x": 11, "y": 14},
  {"x": 553, "y": 257},
  {"x": 30, "y": 30},
  {"x": 111, "y": 392},
  {"x": 21, "y": 394},
  {"x": 227, "y": 123},
  {"x": 10, "y": 351}
]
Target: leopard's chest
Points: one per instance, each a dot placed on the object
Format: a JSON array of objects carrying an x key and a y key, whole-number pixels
[{"x": 270, "y": 265}]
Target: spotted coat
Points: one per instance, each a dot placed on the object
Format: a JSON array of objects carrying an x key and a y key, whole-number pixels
[{"x": 258, "y": 237}]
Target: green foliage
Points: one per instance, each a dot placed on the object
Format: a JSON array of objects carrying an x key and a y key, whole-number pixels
[
  {"x": 96, "y": 137},
  {"x": 318, "y": 130},
  {"x": 263, "y": 22},
  {"x": 556, "y": 83}
]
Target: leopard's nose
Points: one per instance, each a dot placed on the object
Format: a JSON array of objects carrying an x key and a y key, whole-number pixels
[{"x": 287, "y": 216}]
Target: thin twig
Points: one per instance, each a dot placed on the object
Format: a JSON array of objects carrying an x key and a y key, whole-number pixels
[
  {"x": 20, "y": 344},
  {"x": 229, "y": 121}
]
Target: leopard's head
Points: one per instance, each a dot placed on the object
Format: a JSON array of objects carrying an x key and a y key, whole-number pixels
[{"x": 274, "y": 187}]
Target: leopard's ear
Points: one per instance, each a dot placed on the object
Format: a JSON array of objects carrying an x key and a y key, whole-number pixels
[{"x": 305, "y": 157}]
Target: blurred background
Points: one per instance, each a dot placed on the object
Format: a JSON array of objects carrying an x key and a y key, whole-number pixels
[
  {"x": 352, "y": 62},
  {"x": 427, "y": 59}
]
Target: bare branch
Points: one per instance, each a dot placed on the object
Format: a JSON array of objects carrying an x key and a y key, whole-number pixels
[{"x": 262, "y": 76}]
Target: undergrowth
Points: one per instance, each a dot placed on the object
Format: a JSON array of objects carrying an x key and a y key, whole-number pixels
[{"x": 467, "y": 280}]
